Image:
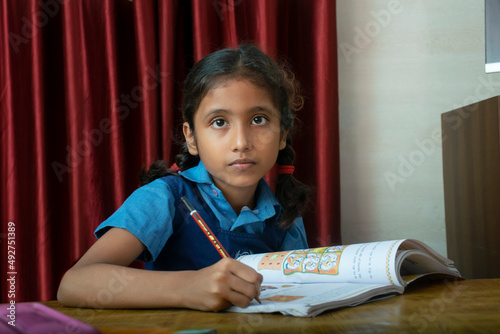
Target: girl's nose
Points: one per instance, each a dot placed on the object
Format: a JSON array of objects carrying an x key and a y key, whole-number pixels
[{"x": 241, "y": 140}]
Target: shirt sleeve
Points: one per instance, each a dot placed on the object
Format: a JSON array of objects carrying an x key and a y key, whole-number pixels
[
  {"x": 148, "y": 214},
  {"x": 295, "y": 237}
]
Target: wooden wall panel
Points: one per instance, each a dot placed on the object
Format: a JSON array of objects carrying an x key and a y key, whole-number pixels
[{"x": 471, "y": 173}]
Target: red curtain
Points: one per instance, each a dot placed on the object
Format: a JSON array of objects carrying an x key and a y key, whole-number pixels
[{"x": 90, "y": 93}]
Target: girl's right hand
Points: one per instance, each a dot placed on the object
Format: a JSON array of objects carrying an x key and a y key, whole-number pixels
[{"x": 225, "y": 283}]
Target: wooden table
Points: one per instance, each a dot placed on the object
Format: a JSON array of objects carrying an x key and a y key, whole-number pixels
[{"x": 470, "y": 306}]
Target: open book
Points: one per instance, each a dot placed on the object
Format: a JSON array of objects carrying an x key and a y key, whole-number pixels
[{"x": 310, "y": 281}]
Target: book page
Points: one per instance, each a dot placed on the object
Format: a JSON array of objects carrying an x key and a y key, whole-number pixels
[
  {"x": 360, "y": 263},
  {"x": 409, "y": 244},
  {"x": 415, "y": 264},
  {"x": 312, "y": 299}
]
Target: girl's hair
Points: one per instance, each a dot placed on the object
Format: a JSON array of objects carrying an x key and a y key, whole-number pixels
[{"x": 245, "y": 62}]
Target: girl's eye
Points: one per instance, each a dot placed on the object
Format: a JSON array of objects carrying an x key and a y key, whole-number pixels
[
  {"x": 259, "y": 120},
  {"x": 219, "y": 123}
]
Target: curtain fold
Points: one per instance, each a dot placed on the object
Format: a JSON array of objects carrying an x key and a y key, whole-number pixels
[
  {"x": 108, "y": 125},
  {"x": 43, "y": 237},
  {"x": 90, "y": 93},
  {"x": 147, "y": 62},
  {"x": 326, "y": 97}
]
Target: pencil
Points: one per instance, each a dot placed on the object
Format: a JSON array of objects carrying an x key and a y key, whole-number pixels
[
  {"x": 204, "y": 227},
  {"x": 208, "y": 232}
]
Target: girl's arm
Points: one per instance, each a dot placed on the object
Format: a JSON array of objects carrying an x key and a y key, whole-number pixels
[{"x": 101, "y": 279}]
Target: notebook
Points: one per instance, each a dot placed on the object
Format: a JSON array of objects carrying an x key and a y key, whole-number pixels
[{"x": 36, "y": 318}]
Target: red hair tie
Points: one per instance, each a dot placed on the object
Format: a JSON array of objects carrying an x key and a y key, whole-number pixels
[
  {"x": 286, "y": 169},
  {"x": 175, "y": 168}
]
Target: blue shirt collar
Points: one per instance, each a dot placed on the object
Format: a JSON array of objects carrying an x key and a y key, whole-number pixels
[
  {"x": 267, "y": 203},
  {"x": 197, "y": 174}
]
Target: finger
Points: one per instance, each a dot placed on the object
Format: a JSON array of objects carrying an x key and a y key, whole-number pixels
[
  {"x": 238, "y": 299},
  {"x": 246, "y": 273},
  {"x": 241, "y": 292},
  {"x": 250, "y": 275},
  {"x": 257, "y": 289}
]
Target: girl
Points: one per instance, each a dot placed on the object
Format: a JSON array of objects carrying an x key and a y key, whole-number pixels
[{"x": 238, "y": 111}]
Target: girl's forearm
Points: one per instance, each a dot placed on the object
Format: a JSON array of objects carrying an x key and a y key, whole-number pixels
[
  {"x": 213, "y": 288},
  {"x": 111, "y": 286}
]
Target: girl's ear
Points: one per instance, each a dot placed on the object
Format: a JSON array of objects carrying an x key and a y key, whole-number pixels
[
  {"x": 284, "y": 135},
  {"x": 190, "y": 139}
]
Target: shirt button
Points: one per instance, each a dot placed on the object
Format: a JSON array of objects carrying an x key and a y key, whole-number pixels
[{"x": 215, "y": 192}]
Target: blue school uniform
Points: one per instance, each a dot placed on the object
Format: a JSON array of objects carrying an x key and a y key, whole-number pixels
[{"x": 173, "y": 241}]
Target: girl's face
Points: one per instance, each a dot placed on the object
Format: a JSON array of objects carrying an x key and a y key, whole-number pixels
[{"x": 237, "y": 134}]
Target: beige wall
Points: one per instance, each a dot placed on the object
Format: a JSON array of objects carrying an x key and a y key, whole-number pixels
[{"x": 402, "y": 63}]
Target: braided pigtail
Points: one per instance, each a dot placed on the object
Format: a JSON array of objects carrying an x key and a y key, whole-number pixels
[
  {"x": 156, "y": 170},
  {"x": 185, "y": 160},
  {"x": 159, "y": 168},
  {"x": 292, "y": 194}
]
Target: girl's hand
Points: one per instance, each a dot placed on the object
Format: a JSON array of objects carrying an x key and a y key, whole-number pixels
[{"x": 228, "y": 282}]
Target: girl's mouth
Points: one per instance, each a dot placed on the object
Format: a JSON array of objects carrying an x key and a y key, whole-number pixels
[{"x": 242, "y": 164}]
